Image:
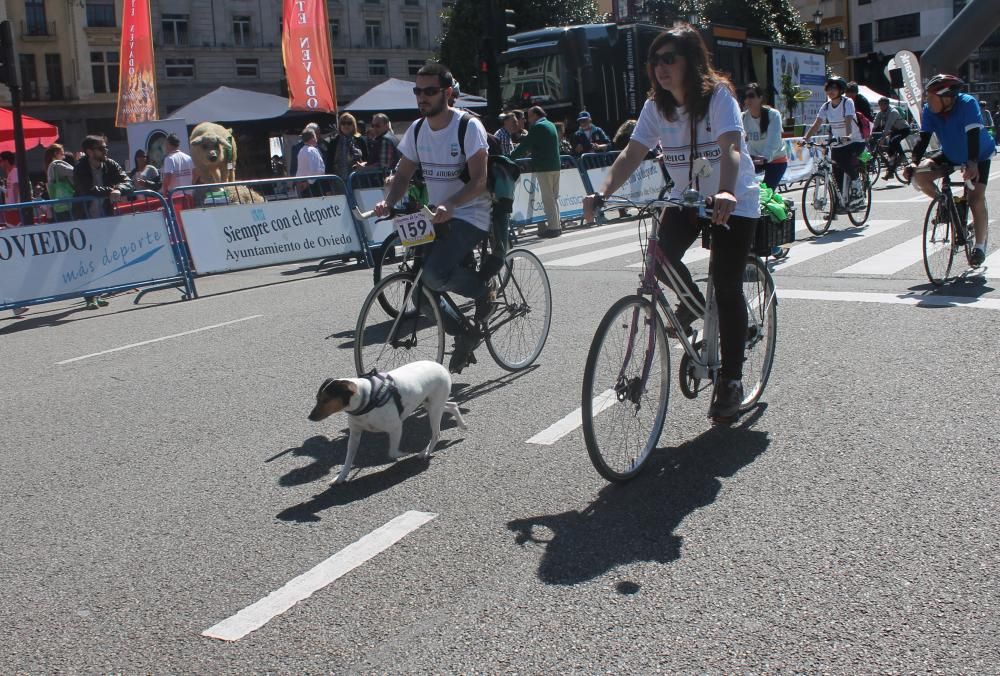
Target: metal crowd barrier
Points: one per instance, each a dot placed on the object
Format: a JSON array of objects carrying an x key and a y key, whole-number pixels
[
  {"x": 366, "y": 189},
  {"x": 83, "y": 246}
]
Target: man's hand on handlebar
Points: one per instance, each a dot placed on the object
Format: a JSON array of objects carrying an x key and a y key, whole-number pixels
[
  {"x": 591, "y": 203},
  {"x": 442, "y": 214},
  {"x": 382, "y": 209}
]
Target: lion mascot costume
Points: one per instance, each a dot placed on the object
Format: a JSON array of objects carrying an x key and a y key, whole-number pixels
[{"x": 213, "y": 150}]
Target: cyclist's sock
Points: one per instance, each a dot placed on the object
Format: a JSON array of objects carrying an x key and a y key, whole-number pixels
[{"x": 981, "y": 247}]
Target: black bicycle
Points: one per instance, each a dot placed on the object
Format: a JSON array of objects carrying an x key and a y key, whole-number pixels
[
  {"x": 880, "y": 159},
  {"x": 402, "y": 320},
  {"x": 947, "y": 230}
]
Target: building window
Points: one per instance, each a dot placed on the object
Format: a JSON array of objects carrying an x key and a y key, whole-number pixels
[
  {"x": 413, "y": 65},
  {"x": 53, "y": 74},
  {"x": 335, "y": 32},
  {"x": 865, "y": 42},
  {"x": 248, "y": 68},
  {"x": 175, "y": 29},
  {"x": 899, "y": 27},
  {"x": 340, "y": 67},
  {"x": 34, "y": 17},
  {"x": 29, "y": 77},
  {"x": 378, "y": 67},
  {"x": 373, "y": 33},
  {"x": 412, "y": 32},
  {"x": 241, "y": 31},
  {"x": 100, "y": 13},
  {"x": 180, "y": 68},
  {"x": 104, "y": 68},
  {"x": 412, "y": 3},
  {"x": 864, "y": 2}
]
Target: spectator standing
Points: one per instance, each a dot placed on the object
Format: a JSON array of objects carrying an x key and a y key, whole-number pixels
[
  {"x": 987, "y": 115},
  {"x": 310, "y": 163},
  {"x": 59, "y": 180},
  {"x": 861, "y": 104},
  {"x": 294, "y": 157},
  {"x": 519, "y": 127},
  {"x": 12, "y": 195},
  {"x": 589, "y": 138},
  {"x": 383, "y": 148},
  {"x": 178, "y": 167},
  {"x": 565, "y": 147},
  {"x": 542, "y": 144},
  {"x": 506, "y": 133},
  {"x": 347, "y": 149},
  {"x": 144, "y": 175},
  {"x": 100, "y": 176},
  {"x": 623, "y": 135}
]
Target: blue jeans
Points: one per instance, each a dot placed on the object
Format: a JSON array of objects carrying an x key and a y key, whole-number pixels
[{"x": 444, "y": 270}]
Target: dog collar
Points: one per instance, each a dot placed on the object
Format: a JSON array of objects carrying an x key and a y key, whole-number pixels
[{"x": 381, "y": 393}]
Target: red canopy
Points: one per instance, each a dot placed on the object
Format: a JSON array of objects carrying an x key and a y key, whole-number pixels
[{"x": 36, "y": 132}]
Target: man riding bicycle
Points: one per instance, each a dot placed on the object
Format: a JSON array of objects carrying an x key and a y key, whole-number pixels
[
  {"x": 462, "y": 212},
  {"x": 956, "y": 120},
  {"x": 838, "y": 111},
  {"x": 894, "y": 129}
]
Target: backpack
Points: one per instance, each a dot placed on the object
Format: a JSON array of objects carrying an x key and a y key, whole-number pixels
[
  {"x": 864, "y": 124},
  {"x": 501, "y": 171}
]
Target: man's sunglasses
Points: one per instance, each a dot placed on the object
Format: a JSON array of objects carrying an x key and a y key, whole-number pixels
[
  {"x": 668, "y": 58},
  {"x": 427, "y": 91}
]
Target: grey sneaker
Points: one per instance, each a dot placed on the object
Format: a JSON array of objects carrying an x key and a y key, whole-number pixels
[{"x": 726, "y": 400}]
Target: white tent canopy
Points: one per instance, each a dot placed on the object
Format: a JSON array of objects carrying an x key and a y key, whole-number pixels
[
  {"x": 226, "y": 104},
  {"x": 873, "y": 97},
  {"x": 395, "y": 94}
]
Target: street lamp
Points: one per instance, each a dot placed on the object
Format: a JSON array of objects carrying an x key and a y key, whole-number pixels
[{"x": 818, "y": 17}]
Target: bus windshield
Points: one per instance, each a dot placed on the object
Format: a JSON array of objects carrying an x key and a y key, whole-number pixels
[{"x": 533, "y": 79}]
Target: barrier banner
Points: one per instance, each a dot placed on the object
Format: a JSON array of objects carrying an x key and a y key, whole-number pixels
[
  {"x": 528, "y": 207},
  {"x": 643, "y": 185},
  {"x": 241, "y": 236},
  {"x": 366, "y": 199},
  {"x": 72, "y": 258},
  {"x": 305, "y": 50},
  {"x": 137, "y": 70}
]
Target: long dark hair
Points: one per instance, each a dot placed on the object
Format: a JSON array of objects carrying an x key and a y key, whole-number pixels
[
  {"x": 765, "y": 116},
  {"x": 700, "y": 78}
]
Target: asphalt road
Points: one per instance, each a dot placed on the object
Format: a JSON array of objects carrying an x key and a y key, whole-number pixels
[{"x": 846, "y": 526}]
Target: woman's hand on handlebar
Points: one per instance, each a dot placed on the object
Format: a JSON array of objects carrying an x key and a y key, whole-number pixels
[{"x": 723, "y": 204}]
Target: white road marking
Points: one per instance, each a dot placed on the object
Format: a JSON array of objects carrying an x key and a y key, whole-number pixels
[
  {"x": 255, "y": 616},
  {"x": 595, "y": 256},
  {"x": 889, "y": 261},
  {"x": 832, "y": 241},
  {"x": 157, "y": 340},
  {"x": 891, "y": 299},
  {"x": 553, "y": 433},
  {"x": 586, "y": 241}
]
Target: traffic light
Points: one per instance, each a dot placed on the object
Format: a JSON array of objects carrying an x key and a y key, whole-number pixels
[
  {"x": 504, "y": 26},
  {"x": 8, "y": 60}
]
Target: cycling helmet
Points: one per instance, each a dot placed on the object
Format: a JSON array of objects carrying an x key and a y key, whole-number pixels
[
  {"x": 944, "y": 84},
  {"x": 837, "y": 81}
]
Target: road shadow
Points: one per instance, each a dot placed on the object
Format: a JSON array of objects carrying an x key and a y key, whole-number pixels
[
  {"x": 636, "y": 521},
  {"x": 328, "y": 455},
  {"x": 463, "y": 393},
  {"x": 971, "y": 285}
]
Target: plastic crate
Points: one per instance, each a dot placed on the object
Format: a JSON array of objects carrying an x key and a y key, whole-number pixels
[{"x": 771, "y": 233}]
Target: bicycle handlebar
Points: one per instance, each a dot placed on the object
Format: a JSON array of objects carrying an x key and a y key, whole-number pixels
[{"x": 393, "y": 212}]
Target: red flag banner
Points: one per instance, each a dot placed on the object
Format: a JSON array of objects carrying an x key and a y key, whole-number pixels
[
  {"x": 137, "y": 72},
  {"x": 305, "y": 48}
]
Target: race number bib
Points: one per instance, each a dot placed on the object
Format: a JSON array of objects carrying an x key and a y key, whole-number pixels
[{"x": 414, "y": 229}]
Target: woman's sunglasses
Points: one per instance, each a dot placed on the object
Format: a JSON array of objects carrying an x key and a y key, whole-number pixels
[
  {"x": 750, "y": 95},
  {"x": 427, "y": 91},
  {"x": 668, "y": 58}
]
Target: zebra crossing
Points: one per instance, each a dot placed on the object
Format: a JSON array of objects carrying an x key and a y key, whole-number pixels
[{"x": 896, "y": 254}]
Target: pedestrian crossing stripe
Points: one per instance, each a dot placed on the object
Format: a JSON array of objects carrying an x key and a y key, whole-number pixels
[{"x": 932, "y": 300}]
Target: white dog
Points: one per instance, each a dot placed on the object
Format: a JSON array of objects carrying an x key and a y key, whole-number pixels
[{"x": 381, "y": 402}]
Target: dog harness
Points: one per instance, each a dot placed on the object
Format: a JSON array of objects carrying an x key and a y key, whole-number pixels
[{"x": 381, "y": 392}]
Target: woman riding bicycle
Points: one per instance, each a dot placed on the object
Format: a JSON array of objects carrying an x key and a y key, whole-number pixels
[
  {"x": 687, "y": 95},
  {"x": 838, "y": 112}
]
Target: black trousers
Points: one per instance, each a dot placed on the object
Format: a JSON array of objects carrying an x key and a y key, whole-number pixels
[
  {"x": 731, "y": 248},
  {"x": 845, "y": 158}
]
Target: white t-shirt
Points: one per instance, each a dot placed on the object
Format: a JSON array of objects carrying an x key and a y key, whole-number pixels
[
  {"x": 768, "y": 145},
  {"x": 440, "y": 158},
  {"x": 310, "y": 162},
  {"x": 179, "y": 165},
  {"x": 675, "y": 138},
  {"x": 834, "y": 116}
]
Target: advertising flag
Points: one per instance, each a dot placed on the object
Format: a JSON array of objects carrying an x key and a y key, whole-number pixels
[
  {"x": 137, "y": 70},
  {"x": 912, "y": 92},
  {"x": 305, "y": 49}
]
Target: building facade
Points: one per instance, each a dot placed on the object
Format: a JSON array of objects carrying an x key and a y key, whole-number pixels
[{"x": 68, "y": 52}]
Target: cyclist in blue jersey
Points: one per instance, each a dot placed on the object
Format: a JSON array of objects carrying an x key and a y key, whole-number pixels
[{"x": 955, "y": 119}]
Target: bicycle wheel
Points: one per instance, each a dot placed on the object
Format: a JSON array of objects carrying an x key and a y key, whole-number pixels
[
  {"x": 859, "y": 215},
  {"x": 622, "y": 415},
  {"x": 939, "y": 249},
  {"x": 901, "y": 162},
  {"x": 518, "y": 328},
  {"x": 383, "y": 341},
  {"x": 874, "y": 167},
  {"x": 818, "y": 204},
  {"x": 762, "y": 329},
  {"x": 388, "y": 255}
]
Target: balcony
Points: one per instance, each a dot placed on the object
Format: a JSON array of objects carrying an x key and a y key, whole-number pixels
[{"x": 35, "y": 30}]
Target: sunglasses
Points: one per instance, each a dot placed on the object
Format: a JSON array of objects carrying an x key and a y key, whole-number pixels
[
  {"x": 668, "y": 58},
  {"x": 750, "y": 95},
  {"x": 427, "y": 91}
]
